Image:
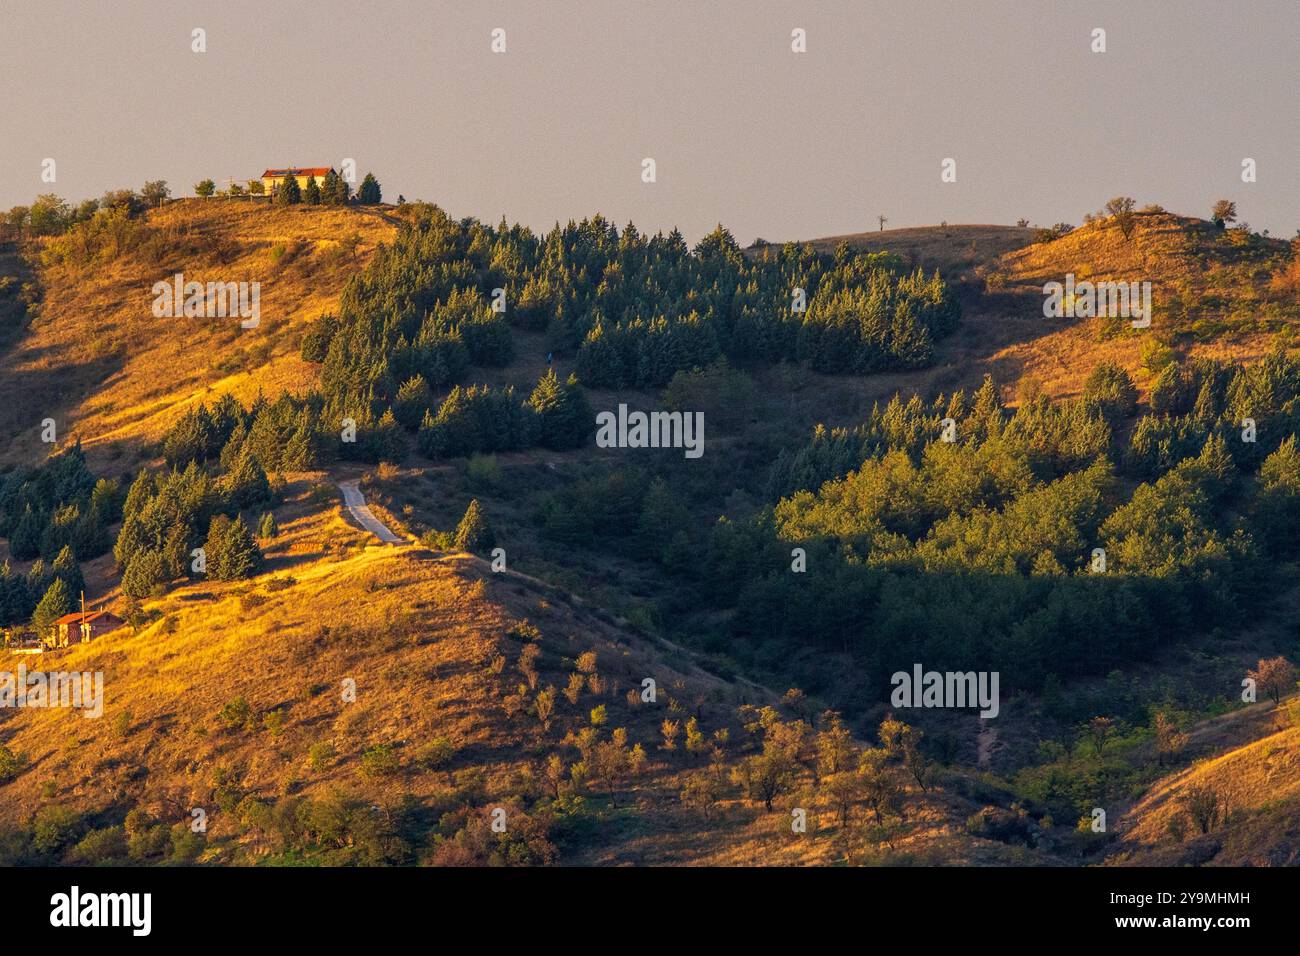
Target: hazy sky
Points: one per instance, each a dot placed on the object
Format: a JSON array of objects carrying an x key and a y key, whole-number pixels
[{"x": 744, "y": 131}]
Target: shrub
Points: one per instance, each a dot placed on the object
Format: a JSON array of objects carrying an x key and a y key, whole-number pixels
[
  {"x": 379, "y": 761},
  {"x": 436, "y": 754},
  {"x": 54, "y": 828},
  {"x": 235, "y": 713},
  {"x": 11, "y": 764},
  {"x": 321, "y": 754},
  {"x": 101, "y": 846}
]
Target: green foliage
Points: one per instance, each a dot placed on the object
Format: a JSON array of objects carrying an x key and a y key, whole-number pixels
[
  {"x": 316, "y": 343},
  {"x": 474, "y": 533},
  {"x": 146, "y": 574},
  {"x": 55, "y": 828},
  {"x": 1110, "y": 387},
  {"x": 11, "y": 764},
  {"x": 205, "y": 188},
  {"x": 334, "y": 191},
  {"x": 287, "y": 191},
  {"x": 379, "y": 761},
  {"x": 368, "y": 193},
  {"x": 56, "y": 602},
  {"x": 414, "y": 400},
  {"x": 564, "y": 416},
  {"x": 231, "y": 550}
]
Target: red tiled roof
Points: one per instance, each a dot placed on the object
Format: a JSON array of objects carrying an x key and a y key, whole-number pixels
[
  {"x": 296, "y": 171},
  {"x": 75, "y": 617}
]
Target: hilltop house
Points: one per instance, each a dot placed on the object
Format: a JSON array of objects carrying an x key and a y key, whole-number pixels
[
  {"x": 82, "y": 627},
  {"x": 273, "y": 177}
]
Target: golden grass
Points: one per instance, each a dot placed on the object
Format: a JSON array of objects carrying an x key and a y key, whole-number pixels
[{"x": 110, "y": 373}]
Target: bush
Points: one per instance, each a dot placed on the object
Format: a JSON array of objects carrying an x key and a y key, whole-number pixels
[
  {"x": 235, "y": 713},
  {"x": 11, "y": 764},
  {"x": 436, "y": 754},
  {"x": 54, "y": 828},
  {"x": 379, "y": 761},
  {"x": 321, "y": 754},
  {"x": 98, "y": 847}
]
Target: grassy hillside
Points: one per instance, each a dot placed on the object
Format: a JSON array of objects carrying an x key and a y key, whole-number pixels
[
  {"x": 231, "y": 699},
  {"x": 96, "y": 359},
  {"x": 477, "y": 691},
  {"x": 1221, "y": 294},
  {"x": 1238, "y": 807},
  {"x": 956, "y": 251}
]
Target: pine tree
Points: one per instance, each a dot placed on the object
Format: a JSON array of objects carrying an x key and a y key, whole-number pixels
[
  {"x": 56, "y": 603},
  {"x": 67, "y": 570},
  {"x": 246, "y": 485},
  {"x": 288, "y": 193},
  {"x": 25, "y": 542},
  {"x": 145, "y": 575},
  {"x": 267, "y": 528},
  {"x": 311, "y": 196},
  {"x": 474, "y": 533},
  {"x": 563, "y": 412},
  {"x": 333, "y": 191},
  {"x": 413, "y": 399},
  {"x": 231, "y": 551},
  {"x": 369, "y": 193}
]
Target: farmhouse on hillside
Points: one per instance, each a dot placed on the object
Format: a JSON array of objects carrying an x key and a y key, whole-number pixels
[
  {"x": 82, "y": 627},
  {"x": 273, "y": 177}
]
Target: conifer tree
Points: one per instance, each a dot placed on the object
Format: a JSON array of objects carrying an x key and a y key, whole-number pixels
[
  {"x": 288, "y": 193},
  {"x": 311, "y": 195},
  {"x": 334, "y": 191},
  {"x": 563, "y": 412},
  {"x": 231, "y": 551},
  {"x": 144, "y": 575},
  {"x": 66, "y": 569},
  {"x": 55, "y": 603},
  {"x": 369, "y": 193},
  {"x": 474, "y": 533}
]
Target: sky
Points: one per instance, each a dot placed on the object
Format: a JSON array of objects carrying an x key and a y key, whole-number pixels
[{"x": 743, "y": 131}]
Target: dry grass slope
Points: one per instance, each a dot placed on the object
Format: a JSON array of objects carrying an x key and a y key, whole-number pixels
[{"x": 97, "y": 360}]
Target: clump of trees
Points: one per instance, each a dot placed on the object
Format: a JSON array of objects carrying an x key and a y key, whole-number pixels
[
  {"x": 58, "y": 514},
  {"x": 216, "y": 476},
  {"x": 1052, "y": 541},
  {"x": 333, "y": 190},
  {"x": 633, "y": 310}
]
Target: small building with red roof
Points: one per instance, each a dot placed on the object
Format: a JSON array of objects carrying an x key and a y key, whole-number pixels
[{"x": 273, "y": 177}]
